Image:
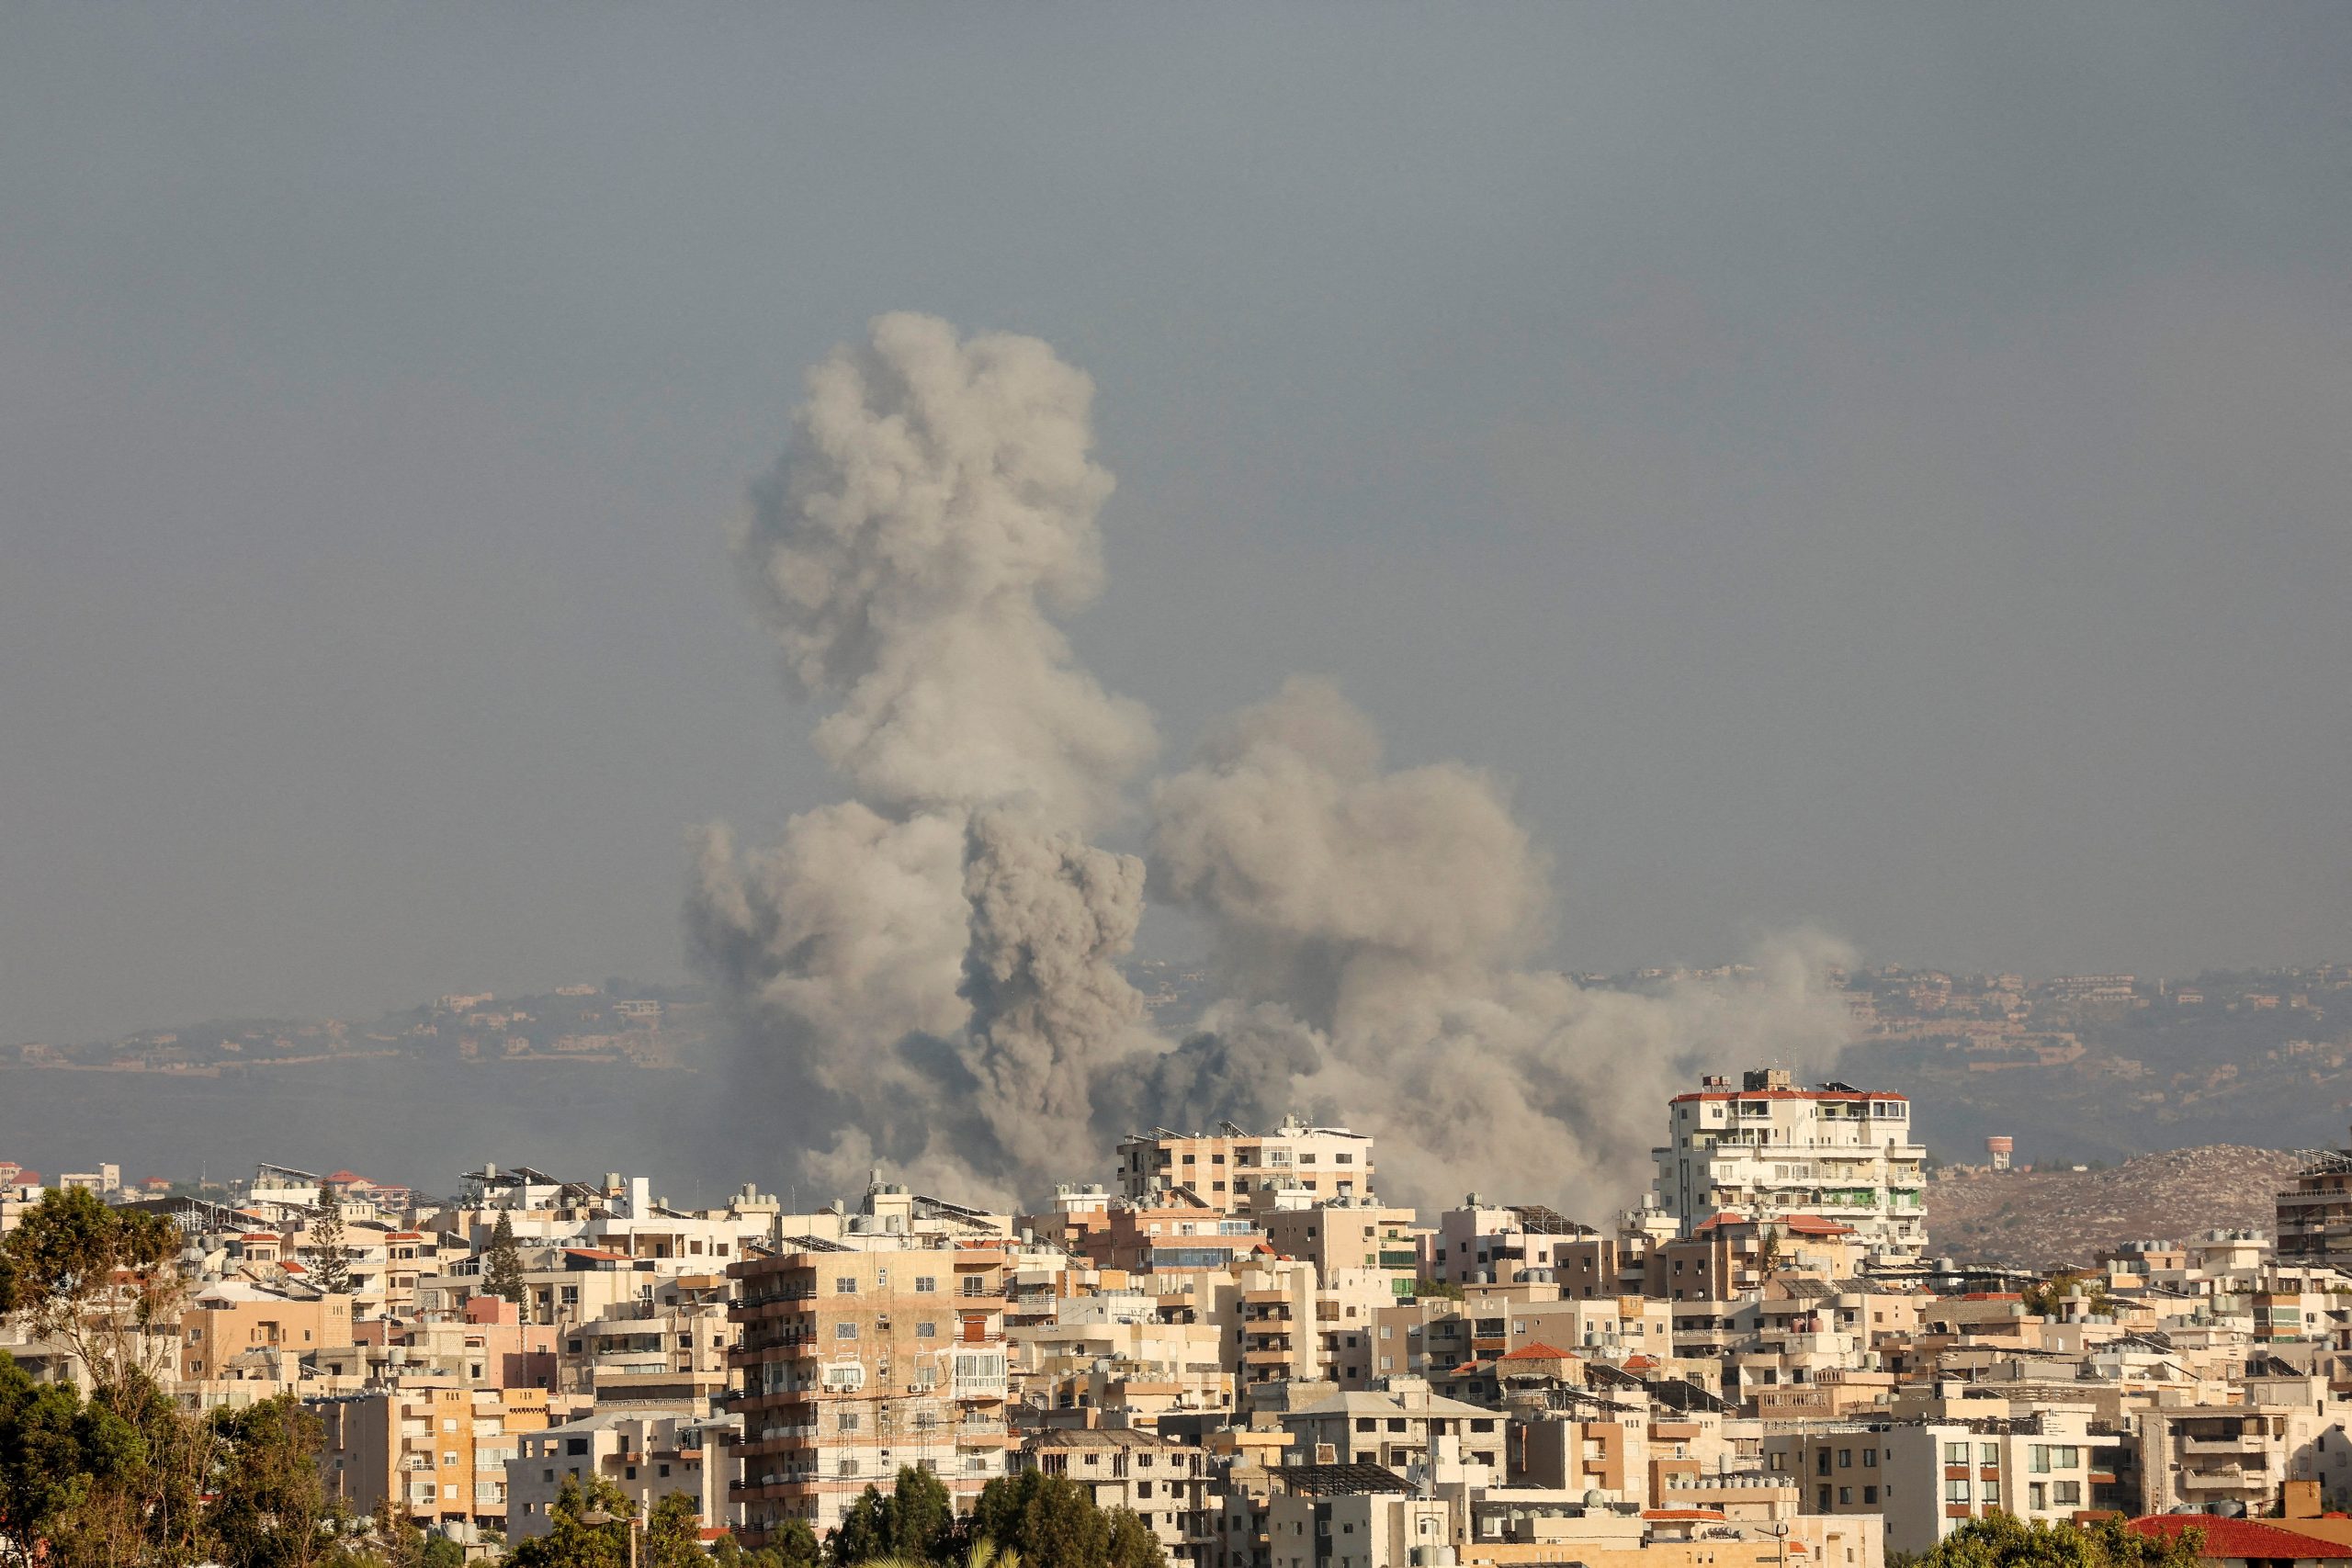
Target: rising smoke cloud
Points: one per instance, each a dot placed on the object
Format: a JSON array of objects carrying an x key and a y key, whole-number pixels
[{"x": 927, "y": 974}]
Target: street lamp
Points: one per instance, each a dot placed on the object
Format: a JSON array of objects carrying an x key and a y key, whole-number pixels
[{"x": 597, "y": 1519}]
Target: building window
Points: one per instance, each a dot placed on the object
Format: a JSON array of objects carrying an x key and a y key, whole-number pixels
[
  {"x": 844, "y": 1331},
  {"x": 844, "y": 1286},
  {"x": 1844, "y": 1495},
  {"x": 1845, "y": 1459},
  {"x": 1870, "y": 1459},
  {"x": 1955, "y": 1489},
  {"x": 1870, "y": 1494},
  {"x": 1955, "y": 1453},
  {"x": 1824, "y": 1500},
  {"x": 2066, "y": 1494}
]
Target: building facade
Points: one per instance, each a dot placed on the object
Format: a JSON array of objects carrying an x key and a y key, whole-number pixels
[{"x": 1769, "y": 1151}]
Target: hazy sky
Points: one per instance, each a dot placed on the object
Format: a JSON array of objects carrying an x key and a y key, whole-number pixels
[{"x": 1887, "y": 467}]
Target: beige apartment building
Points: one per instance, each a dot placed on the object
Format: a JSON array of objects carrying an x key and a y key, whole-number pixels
[
  {"x": 439, "y": 1453},
  {"x": 230, "y": 1320},
  {"x": 856, "y": 1363},
  {"x": 1295, "y": 1166}
]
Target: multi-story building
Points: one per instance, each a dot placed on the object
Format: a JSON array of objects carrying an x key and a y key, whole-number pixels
[
  {"x": 854, "y": 1364},
  {"x": 1769, "y": 1151},
  {"x": 2315, "y": 1214},
  {"x": 230, "y": 1320},
  {"x": 439, "y": 1453},
  {"x": 1165, "y": 1484},
  {"x": 1929, "y": 1477},
  {"x": 1295, "y": 1165},
  {"x": 647, "y": 1455}
]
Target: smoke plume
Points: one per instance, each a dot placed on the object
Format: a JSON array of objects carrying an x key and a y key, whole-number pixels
[{"x": 927, "y": 974}]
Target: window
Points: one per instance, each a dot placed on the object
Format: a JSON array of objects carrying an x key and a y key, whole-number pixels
[
  {"x": 1824, "y": 1500},
  {"x": 1845, "y": 1459},
  {"x": 2065, "y": 1456},
  {"x": 844, "y": 1286},
  {"x": 881, "y": 1279},
  {"x": 844, "y": 1331},
  {"x": 1955, "y": 1489},
  {"x": 2037, "y": 1459},
  {"x": 1844, "y": 1495},
  {"x": 1955, "y": 1453},
  {"x": 1988, "y": 1454},
  {"x": 847, "y": 1422},
  {"x": 1992, "y": 1492},
  {"x": 926, "y": 1329},
  {"x": 575, "y": 1445},
  {"x": 2066, "y": 1494},
  {"x": 1870, "y": 1494},
  {"x": 1821, "y": 1465},
  {"x": 2037, "y": 1494},
  {"x": 926, "y": 1284},
  {"x": 1870, "y": 1459}
]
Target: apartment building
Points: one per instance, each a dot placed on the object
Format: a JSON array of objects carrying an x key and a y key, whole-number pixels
[
  {"x": 855, "y": 1363},
  {"x": 1481, "y": 1242},
  {"x": 439, "y": 1452},
  {"x": 1165, "y": 1484},
  {"x": 230, "y": 1320},
  {"x": 2315, "y": 1214},
  {"x": 1295, "y": 1166},
  {"x": 1929, "y": 1477},
  {"x": 647, "y": 1455},
  {"x": 1769, "y": 1151},
  {"x": 668, "y": 1345},
  {"x": 2203, "y": 1455}
]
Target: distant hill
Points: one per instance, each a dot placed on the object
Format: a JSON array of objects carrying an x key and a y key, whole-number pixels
[{"x": 2043, "y": 1219}]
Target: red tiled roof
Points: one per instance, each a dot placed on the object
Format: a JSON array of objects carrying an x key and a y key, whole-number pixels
[
  {"x": 345, "y": 1178},
  {"x": 2237, "y": 1538},
  {"x": 24, "y": 1179},
  {"x": 1645, "y": 1363},
  {"x": 1540, "y": 1352}
]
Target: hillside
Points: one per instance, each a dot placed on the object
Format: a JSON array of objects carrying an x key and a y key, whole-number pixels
[{"x": 2045, "y": 1218}]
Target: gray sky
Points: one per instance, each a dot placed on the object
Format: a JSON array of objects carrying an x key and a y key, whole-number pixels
[{"x": 1883, "y": 467}]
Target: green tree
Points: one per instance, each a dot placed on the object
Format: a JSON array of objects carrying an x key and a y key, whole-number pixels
[
  {"x": 93, "y": 1484},
  {"x": 333, "y": 1275},
  {"x": 269, "y": 1503},
  {"x": 915, "y": 1523},
  {"x": 501, "y": 1266},
  {"x": 571, "y": 1540},
  {"x": 673, "y": 1533},
  {"x": 2043, "y": 1298},
  {"x": 103, "y": 1281},
  {"x": 1051, "y": 1522},
  {"x": 791, "y": 1544},
  {"x": 2004, "y": 1540}
]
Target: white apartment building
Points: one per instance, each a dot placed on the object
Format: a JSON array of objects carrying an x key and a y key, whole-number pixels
[
  {"x": 1928, "y": 1478},
  {"x": 1769, "y": 1150},
  {"x": 1235, "y": 1172}
]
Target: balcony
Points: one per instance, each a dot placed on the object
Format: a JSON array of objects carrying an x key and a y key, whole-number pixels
[{"x": 2228, "y": 1477}]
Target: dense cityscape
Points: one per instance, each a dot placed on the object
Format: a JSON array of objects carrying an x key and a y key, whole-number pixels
[{"x": 1233, "y": 1350}]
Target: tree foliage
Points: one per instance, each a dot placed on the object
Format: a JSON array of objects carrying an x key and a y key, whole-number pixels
[
  {"x": 334, "y": 1269},
  {"x": 914, "y": 1523},
  {"x": 571, "y": 1540},
  {"x": 501, "y": 1266},
  {"x": 1052, "y": 1522},
  {"x": 103, "y": 1281},
  {"x": 2043, "y": 1299},
  {"x": 2004, "y": 1540}
]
